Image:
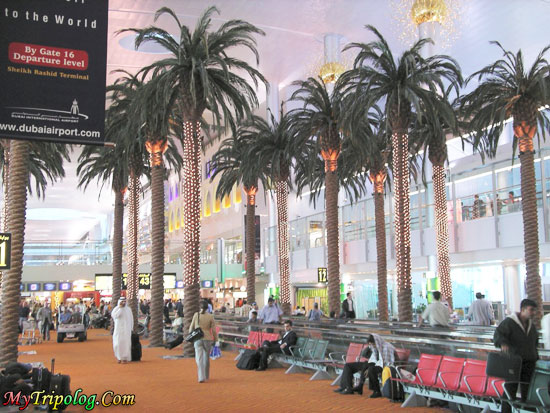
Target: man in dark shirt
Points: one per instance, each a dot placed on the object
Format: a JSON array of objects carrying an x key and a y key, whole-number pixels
[
  {"x": 517, "y": 335},
  {"x": 279, "y": 346}
]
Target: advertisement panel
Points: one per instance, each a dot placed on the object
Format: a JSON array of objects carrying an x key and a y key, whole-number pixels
[{"x": 53, "y": 63}]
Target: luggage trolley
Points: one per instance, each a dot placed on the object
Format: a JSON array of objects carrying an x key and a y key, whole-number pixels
[{"x": 30, "y": 333}]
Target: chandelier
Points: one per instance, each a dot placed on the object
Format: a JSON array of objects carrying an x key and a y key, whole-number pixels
[{"x": 411, "y": 14}]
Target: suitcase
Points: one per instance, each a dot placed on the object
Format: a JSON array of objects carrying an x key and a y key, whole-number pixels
[
  {"x": 504, "y": 366},
  {"x": 250, "y": 360},
  {"x": 41, "y": 378},
  {"x": 60, "y": 384}
]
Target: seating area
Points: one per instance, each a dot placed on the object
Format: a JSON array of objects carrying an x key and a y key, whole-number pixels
[{"x": 465, "y": 383}]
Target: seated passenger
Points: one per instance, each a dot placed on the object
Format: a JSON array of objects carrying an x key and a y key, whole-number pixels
[
  {"x": 283, "y": 345},
  {"x": 65, "y": 316},
  {"x": 379, "y": 353},
  {"x": 76, "y": 317}
]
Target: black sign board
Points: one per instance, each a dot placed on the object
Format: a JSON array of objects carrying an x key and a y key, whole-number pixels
[
  {"x": 322, "y": 275},
  {"x": 5, "y": 251},
  {"x": 53, "y": 63},
  {"x": 65, "y": 286},
  {"x": 144, "y": 281},
  {"x": 34, "y": 287},
  {"x": 207, "y": 284},
  {"x": 258, "y": 239},
  {"x": 50, "y": 286}
]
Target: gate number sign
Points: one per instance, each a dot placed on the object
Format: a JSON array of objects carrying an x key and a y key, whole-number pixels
[
  {"x": 322, "y": 275},
  {"x": 5, "y": 251}
]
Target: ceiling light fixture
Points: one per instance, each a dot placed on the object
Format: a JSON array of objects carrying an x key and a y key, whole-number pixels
[{"x": 437, "y": 19}]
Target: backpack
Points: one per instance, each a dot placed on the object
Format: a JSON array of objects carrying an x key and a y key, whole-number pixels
[
  {"x": 249, "y": 360},
  {"x": 392, "y": 389}
]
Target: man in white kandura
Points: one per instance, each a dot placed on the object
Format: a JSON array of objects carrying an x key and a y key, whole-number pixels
[{"x": 122, "y": 334}]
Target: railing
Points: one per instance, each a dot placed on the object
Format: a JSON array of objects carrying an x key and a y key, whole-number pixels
[{"x": 487, "y": 191}]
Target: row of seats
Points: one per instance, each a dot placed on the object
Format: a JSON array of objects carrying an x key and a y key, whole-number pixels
[{"x": 464, "y": 381}]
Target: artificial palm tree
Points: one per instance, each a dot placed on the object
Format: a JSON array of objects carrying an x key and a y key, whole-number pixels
[
  {"x": 431, "y": 140},
  {"x": 376, "y": 150},
  {"x": 160, "y": 144},
  {"x": 507, "y": 88},
  {"x": 237, "y": 163},
  {"x": 42, "y": 163},
  {"x": 410, "y": 82},
  {"x": 103, "y": 164},
  {"x": 276, "y": 149},
  {"x": 199, "y": 75},
  {"x": 318, "y": 121},
  {"x": 122, "y": 95}
]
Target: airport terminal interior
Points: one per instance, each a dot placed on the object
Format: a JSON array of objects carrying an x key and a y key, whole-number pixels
[{"x": 275, "y": 205}]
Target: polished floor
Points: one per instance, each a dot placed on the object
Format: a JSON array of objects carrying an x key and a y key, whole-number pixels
[{"x": 163, "y": 385}]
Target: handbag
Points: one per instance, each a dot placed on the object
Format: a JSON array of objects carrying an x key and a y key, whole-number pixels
[
  {"x": 504, "y": 366},
  {"x": 196, "y": 334}
]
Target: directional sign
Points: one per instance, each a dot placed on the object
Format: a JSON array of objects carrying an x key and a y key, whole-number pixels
[{"x": 5, "y": 251}]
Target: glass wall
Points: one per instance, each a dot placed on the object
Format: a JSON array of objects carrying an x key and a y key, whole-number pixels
[
  {"x": 233, "y": 253},
  {"x": 298, "y": 234},
  {"x": 467, "y": 281},
  {"x": 474, "y": 192},
  {"x": 354, "y": 221},
  {"x": 315, "y": 233}
]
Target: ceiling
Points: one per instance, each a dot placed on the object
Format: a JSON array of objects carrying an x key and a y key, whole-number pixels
[{"x": 291, "y": 49}]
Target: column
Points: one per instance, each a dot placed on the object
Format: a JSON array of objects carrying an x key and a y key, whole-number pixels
[{"x": 512, "y": 287}]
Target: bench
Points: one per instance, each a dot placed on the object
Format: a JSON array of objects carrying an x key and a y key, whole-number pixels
[
  {"x": 308, "y": 353},
  {"x": 339, "y": 359},
  {"x": 253, "y": 341},
  {"x": 464, "y": 382}
]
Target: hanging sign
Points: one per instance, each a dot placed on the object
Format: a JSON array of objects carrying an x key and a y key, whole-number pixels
[
  {"x": 5, "y": 251},
  {"x": 53, "y": 63},
  {"x": 322, "y": 275}
]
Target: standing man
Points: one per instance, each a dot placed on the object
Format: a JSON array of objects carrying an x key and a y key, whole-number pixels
[
  {"x": 348, "y": 308},
  {"x": 315, "y": 314},
  {"x": 517, "y": 335},
  {"x": 279, "y": 346},
  {"x": 270, "y": 314},
  {"x": 122, "y": 334},
  {"x": 436, "y": 313},
  {"x": 481, "y": 311}
]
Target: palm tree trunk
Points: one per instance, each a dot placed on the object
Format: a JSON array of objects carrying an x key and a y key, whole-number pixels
[
  {"x": 442, "y": 232},
  {"x": 378, "y": 180},
  {"x": 6, "y": 174},
  {"x": 11, "y": 295},
  {"x": 250, "y": 245},
  {"x": 157, "y": 256},
  {"x": 281, "y": 193},
  {"x": 133, "y": 235},
  {"x": 530, "y": 218},
  {"x": 118, "y": 230},
  {"x": 333, "y": 247},
  {"x": 4, "y": 220},
  {"x": 192, "y": 225},
  {"x": 400, "y": 146}
]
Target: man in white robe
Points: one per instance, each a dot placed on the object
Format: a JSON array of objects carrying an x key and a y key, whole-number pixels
[{"x": 122, "y": 334}]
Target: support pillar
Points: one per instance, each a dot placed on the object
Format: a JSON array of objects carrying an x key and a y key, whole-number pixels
[{"x": 512, "y": 287}]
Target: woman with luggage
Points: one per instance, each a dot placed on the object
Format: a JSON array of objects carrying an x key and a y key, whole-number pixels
[{"x": 202, "y": 346}]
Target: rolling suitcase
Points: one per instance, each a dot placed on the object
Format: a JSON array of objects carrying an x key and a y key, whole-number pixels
[{"x": 60, "y": 384}]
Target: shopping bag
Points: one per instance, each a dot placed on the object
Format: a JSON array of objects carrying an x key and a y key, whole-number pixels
[{"x": 215, "y": 352}]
